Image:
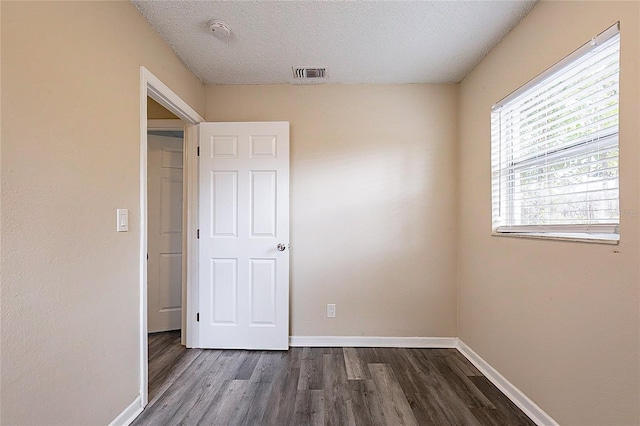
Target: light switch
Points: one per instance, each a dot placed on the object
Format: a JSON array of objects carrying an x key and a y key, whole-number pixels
[
  {"x": 123, "y": 220},
  {"x": 331, "y": 310}
]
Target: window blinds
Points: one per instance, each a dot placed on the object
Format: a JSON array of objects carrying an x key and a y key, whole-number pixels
[{"x": 554, "y": 146}]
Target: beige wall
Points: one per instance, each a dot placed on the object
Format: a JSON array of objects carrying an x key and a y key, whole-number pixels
[
  {"x": 155, "y": 111},
  {"x": 559, "y": 320},
  {"x": 70, "y": 157},
  {"x": 373, "y": 202}
]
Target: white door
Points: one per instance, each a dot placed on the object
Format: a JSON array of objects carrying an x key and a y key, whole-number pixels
[
  {"x": 243, "y": 218},
  {"x": 164, "y": 268}
]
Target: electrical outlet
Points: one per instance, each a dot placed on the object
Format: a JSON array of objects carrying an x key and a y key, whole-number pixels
[{"x": 331, "y": 310}]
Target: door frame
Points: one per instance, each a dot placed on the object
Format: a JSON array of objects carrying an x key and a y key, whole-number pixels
[{"x": 152, "y": 87}]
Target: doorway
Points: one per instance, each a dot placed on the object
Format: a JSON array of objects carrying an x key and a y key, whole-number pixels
[
  {"x": 165, "y": 148},
  {"x": 263, "y": 146},
  {"x": 164, "y": 229},
  {"x": 152, "y": 87}
]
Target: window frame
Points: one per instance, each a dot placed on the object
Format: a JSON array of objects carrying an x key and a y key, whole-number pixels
[{"x": 607, "y": 233}]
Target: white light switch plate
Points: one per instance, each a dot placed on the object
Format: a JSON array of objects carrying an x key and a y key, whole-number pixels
[
  {"x": 122, "y": 220},
  {"x": 331, "y": 310}
]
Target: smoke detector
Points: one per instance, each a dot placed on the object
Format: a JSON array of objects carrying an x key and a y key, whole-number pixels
[{"x": 220, "y": 29}]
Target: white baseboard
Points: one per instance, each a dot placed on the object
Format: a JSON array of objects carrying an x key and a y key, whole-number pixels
[
  {"x": 129, "y": 414},
  {"x": 516, "y": 396},
  {"x": 373, "y": 341}
]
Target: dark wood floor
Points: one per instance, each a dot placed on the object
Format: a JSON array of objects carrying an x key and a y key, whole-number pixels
[{"x": 319, "y": 386}]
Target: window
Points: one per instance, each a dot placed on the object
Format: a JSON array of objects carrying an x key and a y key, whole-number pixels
[{"x": 554, "y": 149}]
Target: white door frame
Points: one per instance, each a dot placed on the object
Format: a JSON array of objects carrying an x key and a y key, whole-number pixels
[
  {"x": 165, "y": 124},
  {"x": 152, "y": 87}
]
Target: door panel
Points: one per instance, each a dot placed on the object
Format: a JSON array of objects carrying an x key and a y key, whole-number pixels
[
  {"x": 169, "y": 283},
  {"x": 224, "y": 203},
  {"x": 263, "y": 208},
  {"x": 224, "y": 295},
  {"x": 164, "y": 268},
  {"x": 243, "y": 216},
  {"x": 263, "y": 292}
]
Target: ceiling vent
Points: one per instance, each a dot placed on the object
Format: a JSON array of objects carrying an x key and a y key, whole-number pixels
[{"x": 309, "y": 73}]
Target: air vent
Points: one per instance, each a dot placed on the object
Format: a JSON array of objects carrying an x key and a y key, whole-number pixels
[{"x": 309, "y": 73}]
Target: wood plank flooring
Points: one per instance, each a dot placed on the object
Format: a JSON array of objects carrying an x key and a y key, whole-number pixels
[{"x": 319, "y": 386}]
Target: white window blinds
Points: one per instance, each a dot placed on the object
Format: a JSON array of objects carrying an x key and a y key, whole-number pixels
[{"x": 554, "y": 146}]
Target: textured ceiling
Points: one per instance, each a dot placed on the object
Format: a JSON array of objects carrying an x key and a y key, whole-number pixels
[{"x": 358, "y": 41}]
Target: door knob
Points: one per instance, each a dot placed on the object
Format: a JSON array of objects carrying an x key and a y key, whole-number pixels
[{"x": 282, "y": 247}]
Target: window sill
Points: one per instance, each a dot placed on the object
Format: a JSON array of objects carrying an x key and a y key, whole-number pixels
[{"x": 610, "y": 239}]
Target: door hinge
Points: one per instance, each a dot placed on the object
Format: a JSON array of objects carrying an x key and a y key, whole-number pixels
[
  {"x": 198, "y": 317},
  {"x": 198, "y": 151},
  {"x": 198, "y": 234}
]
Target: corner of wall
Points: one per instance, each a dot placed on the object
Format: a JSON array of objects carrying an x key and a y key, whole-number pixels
[
  {"x": 457, "y": 227},
  {"x": 129, "y": 414}
]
